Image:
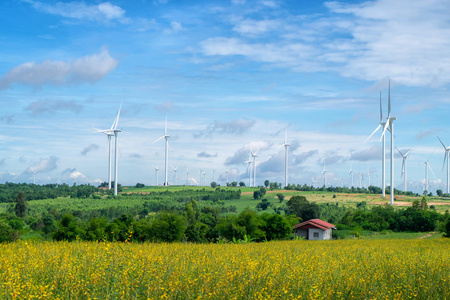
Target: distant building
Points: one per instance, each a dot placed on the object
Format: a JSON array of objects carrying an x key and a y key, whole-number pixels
[{"x": 314, "y": 229}]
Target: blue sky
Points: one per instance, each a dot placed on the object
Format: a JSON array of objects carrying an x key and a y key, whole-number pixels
[{"x": 230, "y": 75}]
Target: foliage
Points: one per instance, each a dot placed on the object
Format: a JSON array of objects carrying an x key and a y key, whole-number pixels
[
  {"x": 299, "y": 206},
  {"x": 20, "y": 207},
  {"x": 361, "y": 269}
]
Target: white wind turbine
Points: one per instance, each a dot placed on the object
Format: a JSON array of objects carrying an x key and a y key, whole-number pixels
[
  {"x": 351, "y": 173},
  {"x": 187, "y": 177},
  {"x": 166, "y": 156},
  {"x": 390, "y": 124},
  {"x": 214, "y": 171},
  {"x": 226, "y": 171},
  {"x": 254, "y": 156},
  {"x": 404, "y": 174},
  {"x": 201, "y": 177},
  {"x": 286, "y": 146},
  {"x": 110, "y": 133},
  {"x": 427, "y": 165},
  {"x": 175, "y": 177},
  {"x": 34, "y": 176},
  {"x": 368, "y": 176},
  {"x": 113, "y": 131},
  {"x": 156, "y": 174},
  {"x": 446, "y": 157},
  {"x": 383, "y": 151},
  {"x": 324, "y": 173}
]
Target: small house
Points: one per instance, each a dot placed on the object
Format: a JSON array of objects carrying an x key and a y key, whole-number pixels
[{"x": 314, "y": 229}]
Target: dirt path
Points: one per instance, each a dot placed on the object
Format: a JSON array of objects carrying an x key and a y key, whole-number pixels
[
  {"x": 268, "y": 192},
  {"x": 428, "y": 235}
]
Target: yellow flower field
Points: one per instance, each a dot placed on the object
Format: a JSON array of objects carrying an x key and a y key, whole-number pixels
[{"x": 355, "y": 269}]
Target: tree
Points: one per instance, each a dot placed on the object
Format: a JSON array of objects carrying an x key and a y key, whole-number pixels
[
  {"x": 241, "y": 183},
  {"x": 21, "y": 205},
  {"x": 280, "y": 197},
  {"x": 213, "y": 184},
  {"x": 139, "y": 185},
  {"x": 299, "y": 206},
  {"x": 266, "y": 183},
  {"x": 234, "y": 184},
  {"x": 439, "y": 193},
  {"x": 257, "y": 195}
]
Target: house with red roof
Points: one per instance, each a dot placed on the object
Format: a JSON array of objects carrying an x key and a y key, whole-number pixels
[{"x": 314, "y": 229}]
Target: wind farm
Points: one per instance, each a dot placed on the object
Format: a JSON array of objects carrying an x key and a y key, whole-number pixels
[{"x": 188, "y": 149}]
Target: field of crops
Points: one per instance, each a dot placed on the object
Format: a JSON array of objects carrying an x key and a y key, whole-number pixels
[{"x": 345, "y": 269}]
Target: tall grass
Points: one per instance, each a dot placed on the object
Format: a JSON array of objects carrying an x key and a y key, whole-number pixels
[{"x": 388, "y": 269}]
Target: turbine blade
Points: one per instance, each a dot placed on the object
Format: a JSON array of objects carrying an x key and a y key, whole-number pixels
[
  {"x": 431, "y": 170},
  {"x": 384, "y": 130},
  {"x": 445, "y": 157},
  {"x": 399, "y": 152},
  {"x": 403, "y": 166},
  {"x": 373, "y": 133},
  {"x": 408, "y": 152},
  {"x": 441, "y": 143},
  {"x": 158, "y": 139}
]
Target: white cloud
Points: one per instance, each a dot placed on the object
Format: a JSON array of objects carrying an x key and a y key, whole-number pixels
[
  {"x": 104, "y": 11},
  {"x": 256, "y": 27},
  {"x": 44, "y": 165},
  {"x": 406, "y": 41},
  {"x": 87, "y": 69}
]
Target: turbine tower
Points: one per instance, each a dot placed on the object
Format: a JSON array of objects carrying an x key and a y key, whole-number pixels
[
  {"x": 286, "y": 146},
  {"x": 446, "y": 157},
  {"x": 383, "y": 151},
  {"x": 351, "y": 173},
  {"x": 166, "y": 157},
  {"x": 390, "y": 124},
  {"x": 324, "y": 173},
  {"x": 34, "y": 177},
  {"x": 226, "y": 171},
  {"x": 254, "y": 156},
  {"x": 404, "y": 156},
  {"x": 156, "y": 174}
]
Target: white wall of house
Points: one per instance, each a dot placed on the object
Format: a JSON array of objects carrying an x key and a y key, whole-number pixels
[{"x": 314, "y": 234}]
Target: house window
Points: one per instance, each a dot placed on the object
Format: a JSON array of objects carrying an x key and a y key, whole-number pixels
[{"x": 315, "y": 234}]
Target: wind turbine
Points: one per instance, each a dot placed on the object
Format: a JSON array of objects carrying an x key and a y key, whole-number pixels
[
  {"x": 427, "y": 165},
  {"x": 166, "y": 157},
  {"x": 286, "y": 146},
  {"x": 254, "y": 156},
  {"x": 214, "y": 171},
  {"x": 390, "y": 124},
  {"x": 110, "y": 133},
  {"x": 383, "y": 151},
  {"x": 226, "y": 171},
  {"x": 201, "y": 177},
  {"x": 446, "y": 157},
  {"x": 175, "y": 177},
  {"x": 187, "y": 177},
  {"x": 34, "y": 176},
  {"x": 324, "y": 172},
  {"x": 404, "y": 156},
  {"x": 351, "y": 172},
  {"x": 156, "y": 174}
]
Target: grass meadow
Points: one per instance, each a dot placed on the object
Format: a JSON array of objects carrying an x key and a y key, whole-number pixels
[{"x": 342, "y": 269}]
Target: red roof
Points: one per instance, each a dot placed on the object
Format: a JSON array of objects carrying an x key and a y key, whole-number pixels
[{"x": 316, "y": 223}]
